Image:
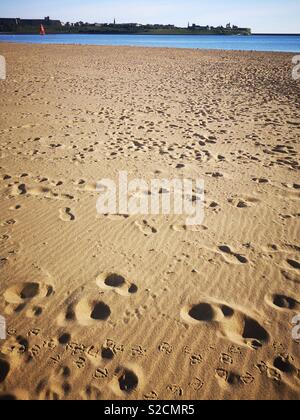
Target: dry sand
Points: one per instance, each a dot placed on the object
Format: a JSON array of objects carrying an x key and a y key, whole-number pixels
[{"x": 102, "y": 307}]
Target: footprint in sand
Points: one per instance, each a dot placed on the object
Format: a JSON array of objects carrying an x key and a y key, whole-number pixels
[
  {"x": 87, "y": 187},
  {"x": 231, "y": 378},
  {"x": 284, "y": 364},
  {"x": 117, "y": 283},
  {"x": 289, "y": 372},
  {"x": 126, "y": 380},
  {"x": 4, "y": 369},
  {"x": 281, "y": 369},
  {"x": 66, "y": 215},
  {"x": 225, "y": 377},
  {"x": 91, "y": 393},
  {"x": 283, "y": 303},
  {"x": 243, "y": 203},
  {"x": 231, "y": 323},
  {"x": 23, "y": 189},
  {"x": 107, "y": 353},
  {"x": 146, "y": 228},
  {"x": 232, "y": 257},
  {"x": 261, "y": 180},
  {"x": 64, "y": 338},
  {"x": 52, "y": 388},
  {"x": 10, "y": 222},
  {"x": 18, "y": 297},
  {"x": 14, "y": 395},
  {"x": 86, "y": 312},
  {"x": 34, "y": 312},
  {"x": 24, "y": 292},
  {"x": 293, "y": 264},
  {"x": 15, "y": 207},
  {"x": 187, "y": 228}
]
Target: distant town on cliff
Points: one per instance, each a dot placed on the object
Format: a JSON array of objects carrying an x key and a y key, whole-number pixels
[{"x": 32, "y": 26}]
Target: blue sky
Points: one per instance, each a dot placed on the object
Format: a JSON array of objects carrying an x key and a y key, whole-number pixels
[{"x": 260, "y": 15}]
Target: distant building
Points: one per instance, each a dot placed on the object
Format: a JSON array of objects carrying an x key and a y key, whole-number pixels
[
  {"x": 199, "y": 28},
  {"x": 9, "y": 21},
  {"x": 128, "y": 25},
  {"x": 15, "y": 22}
]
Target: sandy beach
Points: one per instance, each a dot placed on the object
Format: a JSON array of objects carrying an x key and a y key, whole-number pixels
[{"x": 146, "y": 307}]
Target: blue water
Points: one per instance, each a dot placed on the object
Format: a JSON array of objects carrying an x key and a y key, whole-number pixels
[{"x": 245, "y": 43}]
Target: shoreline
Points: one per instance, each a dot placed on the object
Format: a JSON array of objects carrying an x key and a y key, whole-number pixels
[
  {"x": 257, "y": 43},
  {"x": 147, "y": 47},
  {"x": 162, "y": 34}
]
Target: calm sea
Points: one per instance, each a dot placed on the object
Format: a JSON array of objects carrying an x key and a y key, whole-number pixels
[{"x": 245, "y": 43}]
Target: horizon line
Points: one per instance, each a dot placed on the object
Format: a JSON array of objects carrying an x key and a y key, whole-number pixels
[{"x": 157, "y": 23}]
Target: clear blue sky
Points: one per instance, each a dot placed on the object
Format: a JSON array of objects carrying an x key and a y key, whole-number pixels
[{"x": 260, "y": 15}]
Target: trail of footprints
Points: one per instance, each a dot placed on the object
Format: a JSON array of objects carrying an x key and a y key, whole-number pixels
[
  {"x": 286, "y": 257},
  {"x": 123, "y": 380},
  {"x": 243, "y": 330},
  {"x": 89, "y": 311},
  {"x": 126, "y": 380},
  {"x": 281, "y": 369},
  {"x": 26, "y": 185},
  {"x": 230, "y": 323},
  {"x": 69, "y": 359},
  {"x": 19, "y": 189},
  {"x": 27, "y": 297},
  {"x": 231, "y": 256}
]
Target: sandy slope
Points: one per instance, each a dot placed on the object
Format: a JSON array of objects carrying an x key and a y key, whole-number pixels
[{"x": 146, "y": 307}]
